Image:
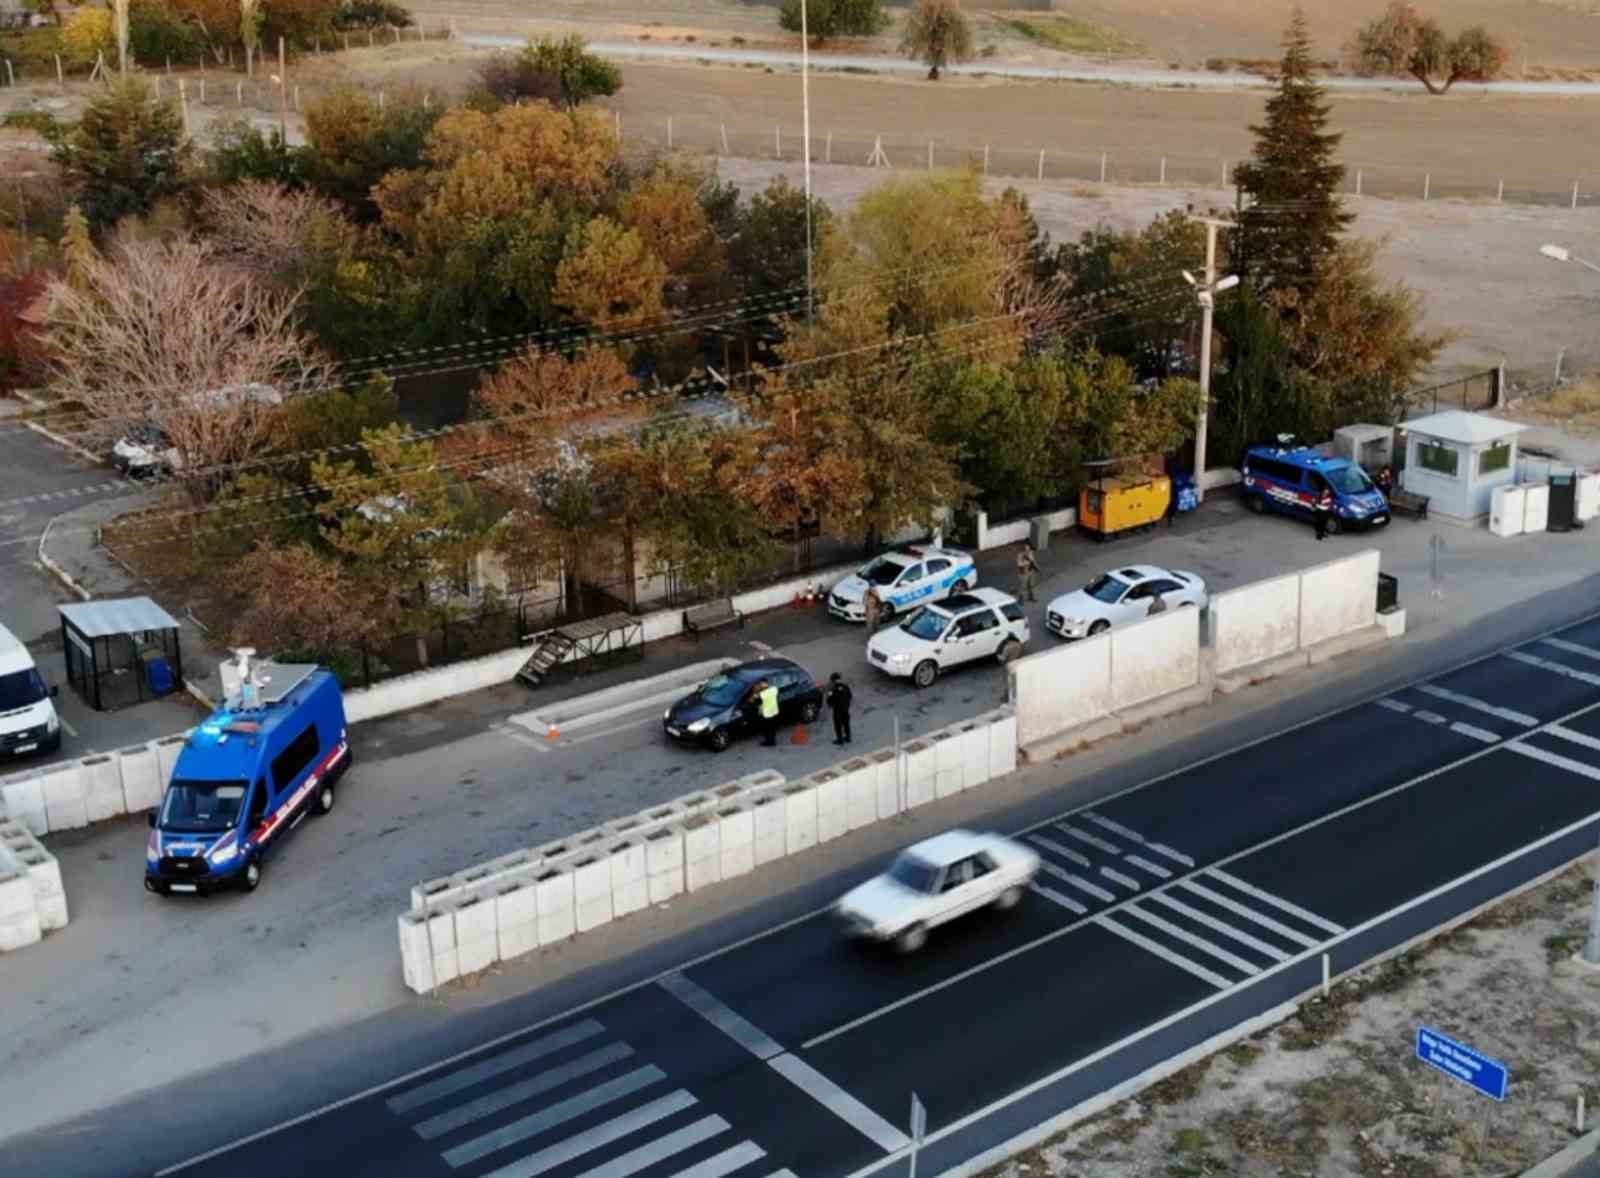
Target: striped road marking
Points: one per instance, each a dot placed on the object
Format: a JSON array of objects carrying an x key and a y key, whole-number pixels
[
  {"x": 1248, "y": 889},
  {"x": 1111, "y": 924}
]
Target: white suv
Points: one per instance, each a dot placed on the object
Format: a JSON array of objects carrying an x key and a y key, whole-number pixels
[{"x": 983, "y": 623}]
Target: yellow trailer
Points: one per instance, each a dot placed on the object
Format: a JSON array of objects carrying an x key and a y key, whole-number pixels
[{"x": 1112, "y": 504}]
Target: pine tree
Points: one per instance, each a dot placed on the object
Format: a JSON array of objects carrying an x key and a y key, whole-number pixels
[
  {"x": 77, "y": 248},
  {"x": 1293, "y": 215}
]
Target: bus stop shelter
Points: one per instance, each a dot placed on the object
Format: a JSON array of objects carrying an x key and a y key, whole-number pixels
[{"x": 120, "y": 653}]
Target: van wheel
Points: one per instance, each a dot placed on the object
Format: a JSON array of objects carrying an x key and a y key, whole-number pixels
[
  {"x": 927, "y": 671},
  {"x": 911, "y": 939},
  {"x": 324, "y": 798},
  {"x": 1335, "y": 525},
  {"x": 1255, "y": 503},
  {"x": 251, "y": 879}
]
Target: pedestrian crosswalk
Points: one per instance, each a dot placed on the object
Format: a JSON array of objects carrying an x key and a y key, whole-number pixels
[
  {"x": 580, "y": 1101},
  {"x": 1209, "y": 923}
]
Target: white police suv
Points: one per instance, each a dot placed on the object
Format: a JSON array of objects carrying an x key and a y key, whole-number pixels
[{"x": 904, "y": 578}]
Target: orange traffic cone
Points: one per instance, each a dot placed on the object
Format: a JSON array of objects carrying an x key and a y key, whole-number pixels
[{"x": 802, "y": 735}]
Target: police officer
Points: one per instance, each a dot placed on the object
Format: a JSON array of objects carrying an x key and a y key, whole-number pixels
[
  {"x": 1027, "y": 573},
  {"x": 1322, "y": 511},
  {"x": 839, "y": 704},
  {"x": 767, "y": 698}
]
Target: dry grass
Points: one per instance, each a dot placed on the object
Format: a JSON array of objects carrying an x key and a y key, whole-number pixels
[{"x": 1575, "y": 404}]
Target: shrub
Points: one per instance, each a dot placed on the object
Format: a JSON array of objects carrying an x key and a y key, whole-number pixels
[
  {"x": 366, "y": 14},
  {"x": 156, "y": 33},
  {"x": 87, "y": 34},
  {"x": 835, "y": 18}
]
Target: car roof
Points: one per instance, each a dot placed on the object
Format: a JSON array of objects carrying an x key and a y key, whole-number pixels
[
  {"x": 959, "y": 603},
  {"x": 756, "y": 668},
  {"x": 1307, "y": 456},
  {"x": 944, "y": 849},
  {"x": 14, "y": 655},
  {"x": 1140, "y": 572},
  {"x": 908, "y": 554}
]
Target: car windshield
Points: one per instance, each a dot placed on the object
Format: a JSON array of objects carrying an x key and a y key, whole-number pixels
[
  {"x": 1348, "y": 480},
  {"x": 925, "y": 624},
  {"x": 910, "y": 872},
  {"x": 723, "y": 690},
  {"x": 1106, "y": 588},
  {"x": 202, "y": 807},
  {"x": 21, "y": 689},
  {"x": 882, "y": 571}
]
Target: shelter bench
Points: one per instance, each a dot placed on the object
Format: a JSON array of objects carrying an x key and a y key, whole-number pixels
[
  {"x": 1408, "y": 503},
  {"x": 712, "y": 615}
]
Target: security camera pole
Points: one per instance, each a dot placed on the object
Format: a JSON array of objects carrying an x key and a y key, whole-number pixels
[{"x": 1206, "y": 294}]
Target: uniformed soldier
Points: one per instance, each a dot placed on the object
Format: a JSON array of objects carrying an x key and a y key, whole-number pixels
[{"x": 839, "y": 703}]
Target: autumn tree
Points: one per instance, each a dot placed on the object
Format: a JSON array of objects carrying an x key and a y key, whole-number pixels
[
  {"x": 405, "y": 527},
  {"x": 576, "y": 74},
  {"x": 127, "y": 151},
  {"x": 164, "y": 331},
  {"x": 829, "y": 19},
  {"x": 353, "y": 143},
  {"x": 1293, "y": 216},
  {"x": 936, "y": 33},
  {"x": 609, "y": 278},
  {"x": 1402, "y": 41},
  {"x": 300, "y": 604}
]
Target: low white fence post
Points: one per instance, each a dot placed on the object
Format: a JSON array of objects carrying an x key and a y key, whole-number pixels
[
  {"x": 1358, "y": 181},
  {"x": 1500, "y": 193},
  {"x": 985, "y": 159},
  {"x": 1102, "y": 167},
  {"x": 1427, "y": 184},
  {"x": 1041, "y": 165}
]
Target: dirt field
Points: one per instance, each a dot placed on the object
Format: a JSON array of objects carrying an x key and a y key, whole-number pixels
[
  {"x": 1336, "y": 1089},
  {"x": 1564, "y": 34}
]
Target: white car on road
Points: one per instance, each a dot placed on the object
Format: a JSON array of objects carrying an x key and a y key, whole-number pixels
[
  {"x": 904, "y": 578},
  {"x": 934, "y": 881},
  {"x": 1120, "y": 596},
  {"x": 984, "y": 623}
]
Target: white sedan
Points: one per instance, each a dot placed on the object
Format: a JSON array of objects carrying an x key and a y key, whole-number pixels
[
  {"x": 934, "y": 881},
  {"x": 1120, "y": 596}
]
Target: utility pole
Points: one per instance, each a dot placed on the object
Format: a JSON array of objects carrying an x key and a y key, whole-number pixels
[
  {"x": 805, "y": 130},
  {"x": 1206, "y": 293}
]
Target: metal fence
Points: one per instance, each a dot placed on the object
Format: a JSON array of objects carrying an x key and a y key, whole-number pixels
[{"x": 1474, "y": 393}]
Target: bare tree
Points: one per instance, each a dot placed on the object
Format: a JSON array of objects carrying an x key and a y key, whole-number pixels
[
  {"x": 163, "y": 331},
  {"x": 268, "y": 228}
]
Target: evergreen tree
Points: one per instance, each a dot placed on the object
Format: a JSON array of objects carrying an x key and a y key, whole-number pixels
[
  {"x": 77, "y": 248},
  {"x": 127, "y": 152},
  {"x": 1293, "y": 215}
]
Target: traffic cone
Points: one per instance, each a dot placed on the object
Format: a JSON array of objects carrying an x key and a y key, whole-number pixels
[
  {"x": 553, "y": 733},
  {"x": 802, "y": 735}
]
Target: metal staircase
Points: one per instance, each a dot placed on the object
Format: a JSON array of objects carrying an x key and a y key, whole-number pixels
[{"x": 546, "y": 655}]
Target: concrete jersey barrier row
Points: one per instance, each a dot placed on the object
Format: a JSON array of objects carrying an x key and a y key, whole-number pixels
[
  {"x": 541, "y": 896},
  {"x": 32, "y": 900}
]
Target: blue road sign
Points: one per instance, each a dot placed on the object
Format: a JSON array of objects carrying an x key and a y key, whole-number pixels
[{"x": 1460, "y": 1062}]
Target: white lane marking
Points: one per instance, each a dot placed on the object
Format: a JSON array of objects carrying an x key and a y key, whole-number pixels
[
  {"x": 1430, "y": 717},
  {"x": 599, "y": 1000},
  {"x": 653, "y": 1152},
  {"x": 1572, "y": 647},
  {"x": 725, "y": 1162},
  {"x": 1154, "y": 869},
  {"x": 722, "y": 1016},
  {"x": 1161, "y": 951},
  {"x": 1553, "y": 667},
  {"x": 1115, "y": 876},
  {"x": 1267, "y": 897},
  {"x": 1051, "y": 894},
  {"x": 1557, "y": 760},
  {"x": 494, "y": 1065},
  {"x": 1083, "y": 836},
  {"x": 839, "y": 1102},
  {"x": 1572, "y": 736},
  {"x": 1221, "y": 926},
  {"x": 1188, "y": 938},
  {"x": 1065, "y": 852},
  {"x": 1238, "y": 909},
  {"x": 67, "y": 724},
  {"x": 1175, "y": 856},
  {"x": 1395, "y": 705},
  {"x": 504, "y": 1098},
  {"x": 510, "y": 732},
  {"x": 1117, "y": 828},
  {"x": 1475, "y": 732},
  {"x": 781, "y": 1174},
  {"x": 1083, "y": 885},
  {"x": 550, "y": 1116},
  {"x": 592, "y": 1139},
  {"x": 761, "y": 646},
  {"x": 1479, "y": 705}
]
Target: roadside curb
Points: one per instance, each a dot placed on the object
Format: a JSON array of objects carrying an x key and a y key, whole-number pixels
[
  {"x": 1557, "y": 1164},
  {"x": 43, "y": 432},
  {"x": 54, "y": 567}
]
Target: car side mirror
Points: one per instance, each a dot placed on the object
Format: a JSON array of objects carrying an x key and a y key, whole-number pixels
[
  {"x": 55, "y": 690},
  {"x": 150, "y": 818}
]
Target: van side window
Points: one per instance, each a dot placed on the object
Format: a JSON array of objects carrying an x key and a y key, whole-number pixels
[{"x": 289, "y": 764}]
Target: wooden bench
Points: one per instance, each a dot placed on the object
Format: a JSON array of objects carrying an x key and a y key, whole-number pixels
[
  {"x": 1408, "y": 503},
  {"x": 712, "y": 615}
]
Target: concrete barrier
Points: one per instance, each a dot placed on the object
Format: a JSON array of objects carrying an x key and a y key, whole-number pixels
[
  {"x": 63, "y": 796},
  {"x": 630, "y": 884},
  {"x": 1058, "y": 690},
  {"x": 771, "y": 825},
  {"x": 949, "y": 762},
  {"x": 1255, "y": 623},
  {"x": 663, "y": 862},
  {"x": 833, "y": 803},
  {"x": 800, "y": 816},
  {"x": 142, "y": 785},
  {"x": 975, "y": 752},
  {"x": 416, "y": 962},
  {"x": 32, "y": 900},
  {"x": 886, "y": 770},
  {"x": 476, "y": 945},
  {"x": 102, "y": 788},
  {"x": 861, "y": 793},
  {"x": 556, "y": 903},
  {"x": 444, "y": 965},
  {"x": 167, "y": 750},
  {"x": 920, "y": 772},
  {"x": 516, "y": 917},
  {"x": 1002, "y": 742},
  {"x": 1154, "y": 657},
  {"x": 736, "y": 839},
  {"x": 22, "y": 797},
  {"x": 1338, "y": 597},
  {"x": 702, "y": 852},
  {"x": 591, "y": 890}
]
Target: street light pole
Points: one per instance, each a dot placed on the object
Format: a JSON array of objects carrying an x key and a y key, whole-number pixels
[
  {"x": 805, "y": 131},
  {"x": 1206, "y": 293}
]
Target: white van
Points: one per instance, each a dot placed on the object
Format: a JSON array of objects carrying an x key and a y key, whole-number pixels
[{"x": 28, "y": 720}]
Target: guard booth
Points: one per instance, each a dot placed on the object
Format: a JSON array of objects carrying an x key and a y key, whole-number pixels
[
  {"x": 1457, "y": 459},
  {"x": 120, "y": 653}
]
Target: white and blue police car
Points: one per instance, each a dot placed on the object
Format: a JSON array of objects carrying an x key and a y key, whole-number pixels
[{"x": 905, "y": 578}]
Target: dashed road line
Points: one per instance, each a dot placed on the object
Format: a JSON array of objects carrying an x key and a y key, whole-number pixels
[
  {"x": 1116, "y": 828},
  {"x": 1154, "y": 869},
  {"x": 1065, "y": 852},
  {"x": 1095, "y": 841},
  {"x": 1479, "y": 705},
  {"x": 1056, "y": 897},
  {"x": 1116, "y": 876}
]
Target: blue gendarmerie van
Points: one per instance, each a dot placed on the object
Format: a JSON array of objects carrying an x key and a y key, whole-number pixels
[
  {"x": 246, "y": 777},
  {"x": 1290, "y": 480}
]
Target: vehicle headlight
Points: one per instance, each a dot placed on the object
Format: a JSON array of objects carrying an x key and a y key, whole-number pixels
[
  {"x": 224, "y": 851},
  {"x": 53, "y": 724},
  {"x": 667, "y": 715},
  {"x": 152, "y": 847},
  {"x": 700, "y": 725},
  {"x": 900, "y": 658}
]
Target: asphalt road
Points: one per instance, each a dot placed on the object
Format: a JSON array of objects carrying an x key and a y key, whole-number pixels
[{"x": 1165, "y": 914}]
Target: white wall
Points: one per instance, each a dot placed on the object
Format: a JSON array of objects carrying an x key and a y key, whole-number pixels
[
  {"x": 1338, "y": 597},
  {"x": 1255, "y": 622},
  {"x": 1059, "y": 689},
  {"x": 1017, "y": 530},
  {"x": 1154, "y": 657}
]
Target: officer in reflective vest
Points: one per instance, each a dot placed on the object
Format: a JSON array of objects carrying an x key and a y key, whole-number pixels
[{"x": 767, "y": 696}]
